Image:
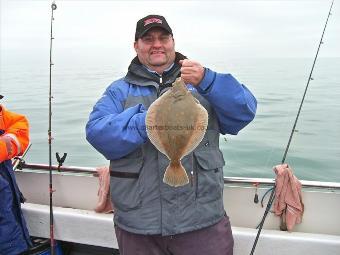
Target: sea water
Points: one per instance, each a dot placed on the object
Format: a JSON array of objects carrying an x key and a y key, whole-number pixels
[{"x": 277, "y": 83}]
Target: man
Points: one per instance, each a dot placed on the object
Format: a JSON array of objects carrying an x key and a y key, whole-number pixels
[
  {"x": 152, "y": 217},
  {"x": 14, "y": 139}
]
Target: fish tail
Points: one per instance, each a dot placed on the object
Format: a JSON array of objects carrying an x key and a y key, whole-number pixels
[{"x": 175, "y": 175}]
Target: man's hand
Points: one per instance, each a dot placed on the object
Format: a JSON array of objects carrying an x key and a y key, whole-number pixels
[{"x": 191, "y": 71}]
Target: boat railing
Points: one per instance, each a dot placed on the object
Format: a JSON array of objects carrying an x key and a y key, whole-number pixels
[
  {"x": 64, "y": 169},
  {"x": 227, "y": 180},
  {"x": 269, "y": 181}
]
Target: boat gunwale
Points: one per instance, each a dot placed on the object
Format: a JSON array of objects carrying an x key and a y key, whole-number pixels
[{"x": 227, "y": 179}]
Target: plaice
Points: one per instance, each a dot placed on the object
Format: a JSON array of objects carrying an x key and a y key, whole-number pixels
[{"x": 176, "y": 123}]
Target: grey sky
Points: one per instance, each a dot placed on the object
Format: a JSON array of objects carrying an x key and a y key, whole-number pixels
[{"x": 106, "y": 28}]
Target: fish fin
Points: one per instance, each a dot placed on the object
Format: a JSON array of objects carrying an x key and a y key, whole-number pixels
[
  {"x": 175, "y": 175},
  {"x": 200, "y": 127},
  {"x": 151, "y": 127}
]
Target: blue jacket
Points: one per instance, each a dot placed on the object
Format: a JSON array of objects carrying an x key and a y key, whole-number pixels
[
  {"x": 116, "y": 128},
  {"x": 14, "y": 237}
]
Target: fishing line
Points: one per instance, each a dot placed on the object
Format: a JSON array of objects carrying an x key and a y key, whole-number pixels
[
  {"x": 52, "y": 242},
  {"x": 272, "y": 194}
]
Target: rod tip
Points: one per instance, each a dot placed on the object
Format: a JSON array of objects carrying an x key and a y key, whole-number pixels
[{"x": 53, "y": 6}]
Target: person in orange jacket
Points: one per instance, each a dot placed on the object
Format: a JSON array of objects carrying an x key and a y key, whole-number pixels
[{"x": 14, "y": 139}]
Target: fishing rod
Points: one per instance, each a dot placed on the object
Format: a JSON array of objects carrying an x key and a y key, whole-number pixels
[
  {"x": 18, "y": 161},
  {"x": 52, "y": 242},
  {"x": 272, "y": 194}
]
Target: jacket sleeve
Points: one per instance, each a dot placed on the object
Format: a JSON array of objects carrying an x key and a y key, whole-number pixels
[
  {"x": 15, "y": 138},
  {"x": 113, "y": 131},
  {"x": 234, "y": 104}
]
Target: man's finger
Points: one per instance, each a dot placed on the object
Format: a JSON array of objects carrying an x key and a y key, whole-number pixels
[
  {"x": 187, "y": 77},
  {"x": 186, "y": 70},
  {"x": 188, "y": 63}
]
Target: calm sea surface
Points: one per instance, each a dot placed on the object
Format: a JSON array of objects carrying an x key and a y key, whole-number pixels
[{"x": 277, "y": 83}]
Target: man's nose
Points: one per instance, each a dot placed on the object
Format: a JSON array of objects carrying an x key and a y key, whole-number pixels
[{"x": 156, "y": 42}]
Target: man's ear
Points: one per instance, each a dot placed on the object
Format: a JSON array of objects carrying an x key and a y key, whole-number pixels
[{"x": 135, "y": 45}]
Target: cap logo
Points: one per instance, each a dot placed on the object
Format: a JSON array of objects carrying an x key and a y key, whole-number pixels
[{"x": 152, "y": 20}]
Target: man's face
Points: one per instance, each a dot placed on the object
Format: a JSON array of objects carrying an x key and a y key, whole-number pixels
[{"x": 156, "y": 49}]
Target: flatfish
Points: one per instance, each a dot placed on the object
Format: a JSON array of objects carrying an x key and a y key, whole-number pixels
[{"x": 176, "y": 123}]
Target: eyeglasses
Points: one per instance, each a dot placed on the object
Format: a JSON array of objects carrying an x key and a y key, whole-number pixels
[{"x": 163, "y": 39}]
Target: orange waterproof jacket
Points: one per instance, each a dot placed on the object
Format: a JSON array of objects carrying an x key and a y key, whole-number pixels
[
  {"x": 14, "y": 134},
  {"x": 14, "y": 139}
]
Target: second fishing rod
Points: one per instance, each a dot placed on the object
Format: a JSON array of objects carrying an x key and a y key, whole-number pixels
[
  {"x": 49, "y": 133},
  {"x": 50, "y": 138},
  {"x": 272, "y": 194}
]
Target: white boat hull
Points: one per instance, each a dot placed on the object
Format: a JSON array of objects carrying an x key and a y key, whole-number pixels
[{"x": 75, "y": 221}]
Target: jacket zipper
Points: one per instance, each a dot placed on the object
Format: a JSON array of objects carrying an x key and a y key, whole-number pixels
[{"x": 160, "y": 84}]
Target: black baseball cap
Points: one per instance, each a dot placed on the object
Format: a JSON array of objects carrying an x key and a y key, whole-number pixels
[
  {"x": 150, "y": 21},
  {"x": 1, "y": 96}
]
